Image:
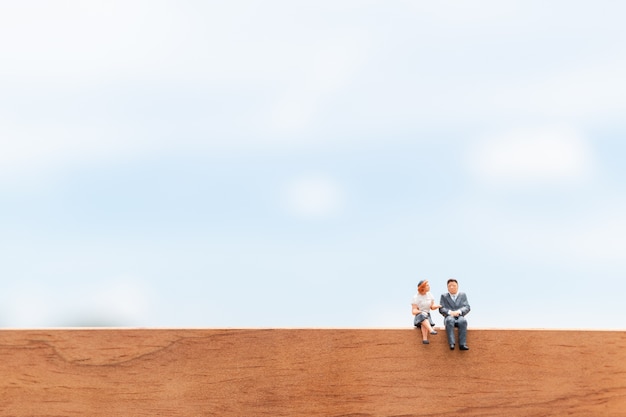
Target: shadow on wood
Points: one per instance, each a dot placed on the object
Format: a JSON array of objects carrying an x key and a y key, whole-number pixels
[{"x": 310, "y": 372}]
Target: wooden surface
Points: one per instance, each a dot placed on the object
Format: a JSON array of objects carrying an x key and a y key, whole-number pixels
[{"x": 310, "y": 372}]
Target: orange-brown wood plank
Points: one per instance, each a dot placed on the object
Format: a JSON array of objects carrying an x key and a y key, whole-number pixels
[{"x": 310, "y": 372}]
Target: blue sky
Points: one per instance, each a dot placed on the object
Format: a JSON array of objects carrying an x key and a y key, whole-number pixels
[{"x": 305, "y": 164}]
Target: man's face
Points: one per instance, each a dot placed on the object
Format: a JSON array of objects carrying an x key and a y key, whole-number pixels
[{"x": 453, "y": 287}]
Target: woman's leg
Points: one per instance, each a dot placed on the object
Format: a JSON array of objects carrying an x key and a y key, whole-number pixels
[
  {"x": 429, "y": 327},
  {"x": 424, "y": 329}
]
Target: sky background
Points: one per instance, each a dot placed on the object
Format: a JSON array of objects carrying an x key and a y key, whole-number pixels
[{"x": 305, "y": 164}]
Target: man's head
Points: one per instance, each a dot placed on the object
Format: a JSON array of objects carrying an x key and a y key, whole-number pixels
[
  {"x": 453, "y": 286},
  {"x": 423, "y": 286}
]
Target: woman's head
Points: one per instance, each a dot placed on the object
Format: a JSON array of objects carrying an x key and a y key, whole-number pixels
[{"x": 423, "y": 286}]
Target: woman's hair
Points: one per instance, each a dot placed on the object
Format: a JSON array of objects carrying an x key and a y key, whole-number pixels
[{"x": 421, "y": 286}]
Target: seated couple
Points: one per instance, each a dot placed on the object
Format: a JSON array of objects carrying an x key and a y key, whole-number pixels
[{"x": 453, "y": 306}]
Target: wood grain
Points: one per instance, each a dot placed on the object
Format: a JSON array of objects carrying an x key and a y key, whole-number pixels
[{"x": 310, "y": 372}]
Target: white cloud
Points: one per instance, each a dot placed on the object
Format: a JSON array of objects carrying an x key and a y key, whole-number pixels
[
  {"x": 582, "y": 92},
  {"x": 596, "y": 237},
  {"x": 457, "y": 15},
  {"x": 124, "y": 300},
  {"x": 58, "y": 55},
  {"x": 602, "y": 240},
  {"x": 313, "y": 196},
  {"x": 322, "y": 69},
  {"x": 77, "y": 40},
  {"x": 121, "y": 301},
  {"x": 553, "y": 155},
  {"x": 30, "y": 154},
  {"x": 26, "y": 305},
  {"x": 289, "y": 82}
]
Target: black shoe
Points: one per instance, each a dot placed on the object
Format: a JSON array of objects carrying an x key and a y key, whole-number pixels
[
  {"x": 452, "y": 346},
  {"x": 463, "y": 347},
  {"x": 433, "y": 332},
  {"x": 425, "y": 342}
]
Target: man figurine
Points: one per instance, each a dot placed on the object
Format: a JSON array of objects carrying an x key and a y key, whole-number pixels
[{"x": 454, "y": 308}]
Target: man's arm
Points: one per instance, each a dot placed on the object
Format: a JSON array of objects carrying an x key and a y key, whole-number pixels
[
  {"x": 465, "y": 308},
  {"x": 444, "y": 310}
]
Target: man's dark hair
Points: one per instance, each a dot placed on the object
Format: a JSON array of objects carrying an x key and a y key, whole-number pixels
[{"x": 452, "y": 280}]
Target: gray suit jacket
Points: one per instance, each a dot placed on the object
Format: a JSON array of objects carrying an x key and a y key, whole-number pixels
[{"x": 447, "y": 304}]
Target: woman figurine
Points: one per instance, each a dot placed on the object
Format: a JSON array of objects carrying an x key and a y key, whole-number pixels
[{"x": 423, "y": 301}]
